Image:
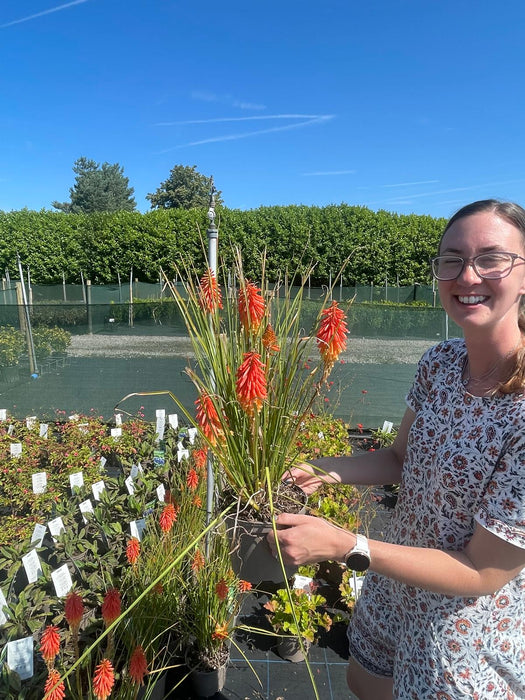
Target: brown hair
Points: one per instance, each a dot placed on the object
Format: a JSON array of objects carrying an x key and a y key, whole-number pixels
[{"x": 515, "y": 215}]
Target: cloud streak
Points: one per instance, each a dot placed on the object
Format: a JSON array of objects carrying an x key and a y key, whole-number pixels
[
  {"x": 409, "y": 184},
  {"x": 218, "y": 120},
  {"x": 322, "y": 173},
  {"x": 44, "y": 12}
]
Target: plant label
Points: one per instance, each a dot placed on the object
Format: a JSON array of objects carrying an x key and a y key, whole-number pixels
[
  {"x": 39, "y": 532},
  {"x": 30, "y": 422},
  {"x": 43, "y": 431},
  {"x": 161, "y": 492},
  {"x": 182, "y": 454},
  {"x": 116, "y": 433},
  {"x": 303, "y": 582},
  {"x": 32, "y": 567},
  {"x": 74, "y": 417},
  {"x": 159, "y": 459},
  {"x": 39, "y": 482},
  {"x": 129, "y": 485},
  {"x": 10, "y": 429},
  {"x": 160, "y": 414},
  {"x": 76, "y": 480},
  {"x": 15, "y": 449},
  {"x": 103, "y": 461},
  {"x": 3, "y": 414},
  {"x": 118, "y": 419},
  {"x": 137, "y": 528},
  {"x": 3, "y": 604},
  {"x": 56, "y": 527},
  {"x": 85, "y": 507},
  {"x": 173, "y": 421},
  {"x": 387, "y": 426},
  {"x": 136, "y": 469},
  {"x": 83, "y": 427},
  {"x": 20, "y": 657},
  {"x": 192, "y": 434},
  {"x": 97, "y": 489},
  {"x": 62, "y": 580}
]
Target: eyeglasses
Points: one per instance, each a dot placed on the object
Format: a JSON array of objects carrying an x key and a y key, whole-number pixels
[{"x": 488, "y": 266}]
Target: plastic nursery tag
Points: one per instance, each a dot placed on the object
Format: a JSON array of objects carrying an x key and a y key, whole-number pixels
[
  {"x": 11, "y": 429},
  {"x": 39, "y": 482},
  {"x": 97, "y": 489},
  {"x": 20, "y": 657},
  {"x": 160, "y": 413},
  {"x": 303, "y": 582},
  {"x": 74, "y": 417},
  {"x": 3, "y": 603},
  {"x": 136, "y": 469},
  {"x": 83, "y": 427},
  {"x": 116, "y": 433},
  {"x": 3, "y": 414},
  {"x": 62, "y": 580},
  {"x": 182, "y": 454},
  {"x": 16, "y": 449},
  {"x": 85, "y": 507},
  {"x": 173, "y": 421},
  {"x": 76, "y": 480},
  {"x": 387, "y": 426},
  {"x": 103, "y": 461},
  {"x": 39, "y": 532},
  {"x": 320, "y": 435},
  {"x": 159, "y": 459},
  {"x": 118, "y": 419},
  {"x": 161, "y": 492},
  {"x": 192, "y": 434},
  {"x": 137, "y": 528},
  {"x": 56, "y": 527},
  {"x": 44, "y": 427},
  {"x": 32, "y": 567},
  {"x": 30, "y": 422},
  {"x": 129, "y": 485}
]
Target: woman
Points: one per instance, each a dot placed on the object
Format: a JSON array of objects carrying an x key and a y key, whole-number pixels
[{"x": 441, "y": 614}]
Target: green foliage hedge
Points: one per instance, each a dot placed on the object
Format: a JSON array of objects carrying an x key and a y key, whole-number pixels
[{"x": 378, "y": 245}]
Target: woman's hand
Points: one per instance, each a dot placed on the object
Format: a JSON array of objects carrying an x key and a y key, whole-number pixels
[
  {"x": 305, "y": 539},
  {"x": 308, "y": 478}
]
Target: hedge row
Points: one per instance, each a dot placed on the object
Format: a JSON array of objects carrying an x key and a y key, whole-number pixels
[{"x": 378, "y": 245}]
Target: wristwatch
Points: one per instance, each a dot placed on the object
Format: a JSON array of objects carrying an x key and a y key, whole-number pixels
[{"x": 358, "y": 558}]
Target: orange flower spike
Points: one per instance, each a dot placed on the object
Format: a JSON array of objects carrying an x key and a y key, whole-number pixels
[
  {"x": 167, "y": 517},
  {"x": 244, "y": 586},
  {"x": 73, "y": 610},
  {"x": 198, "y": 561},
  {"x": 133, "y": 550},
  {"x": 192, "y": 480},
  {"x": 221, "y": 589},
  {"x": 209, "y": 292},
  {"x": 269, "y": 339},
  {"x": 331, "y": 336},
  {"x": 251, "y": 383},
  {"x": 138, "y": 665},
  {"x": 199, "y": 458},
  {"x": 208, "y": 419},
  {"x": 54, "y": 688},
  {"x": 251, "y": 307},
  {"x": 197, "y": 501},
  {"x": 221, "y": 631},
  {"x": 103, "y": 680},
  {"x": 50, "y": 644},
  {"x": 111, "y": 607}
]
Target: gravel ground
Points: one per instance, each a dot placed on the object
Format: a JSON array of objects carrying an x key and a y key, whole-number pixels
[{"x": 360, "y": 350}]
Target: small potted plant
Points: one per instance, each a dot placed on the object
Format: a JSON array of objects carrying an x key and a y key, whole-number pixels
[{"x": 296, "y": 615}]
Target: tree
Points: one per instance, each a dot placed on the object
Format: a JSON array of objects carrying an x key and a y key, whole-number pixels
[
  {"x": 98, "y": 188},
  {"x": 184, "y": 189}
]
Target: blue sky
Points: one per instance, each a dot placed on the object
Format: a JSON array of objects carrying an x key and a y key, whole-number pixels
[{"x": 402, "y": 105}]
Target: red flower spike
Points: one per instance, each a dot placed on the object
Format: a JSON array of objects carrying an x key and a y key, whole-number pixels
[
  {"x": 111, "y": 607},
  {"x": 167, "y": 517},
  {"x": 209, "y": 292},
  {"x": 331, "y": 336},
  {"x": 197, "y": 501},
  {"x": 133, "y": 550},
  {"x": 251, "y": 383},
  {"x": 221, "y": 631},
  {"x": 244, "y": 586},
  {"x": 138, "y": 666},
  {"x": 54, "y": 688},
  {"x": 198, "y": 561},
  {"x": 269, "y": 339},
  {"x": 221, "y": 589},
  {"x": 192, "y": 480},
  {"x": 73, "y": 610},
  {"x": 251, "y": 307},
  {"x": 50, "y": 644},
  {"x": 208, "y": 419},
  {"x": 103, "y": 680},
  {"x": 199, "y": 458}
]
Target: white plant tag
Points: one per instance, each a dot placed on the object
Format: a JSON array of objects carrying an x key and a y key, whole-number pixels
[
  {"x": 129, "y": 486},
  {"x": 15, "y": 449},
  {"x": 39, "y": 482},
  {"x": 74, "y": 417},
  {"x": 387, "y": 426},
  {"x": 303, "y": 582},
  {"x": 137, "y": 528},
  {"x": 103, "y": 461},
  {"x": 3, "y": 603},
  {"x": 39, "y": 532},
  {"x": 43, "y": 430},
  {"x": 62, "y": 580},
  {"x": 118, "y": 419},
  {"x": 161, "y": 492},
  {"x": 182, "y": 454},
  {"x": 136, "y": 469},
  {"x": 160, "y": 414},
  {"x": 30, "y": 422},
  {"x": 173, "y": 421},
  {"x": 56, "y": 527},
  {"x": 85, "y": 507},
  {"x": 76, "y": 480},
  {"x": 116, "y": 433},
  {"x": 10, "y": 429},
  {"x": 3, "y": 414},
  {"x": 32, "y": 567},
  {"x": 97, "y": 489},
  {"x": 192, "y": 434},
  {"x": 20, "y": 657}
]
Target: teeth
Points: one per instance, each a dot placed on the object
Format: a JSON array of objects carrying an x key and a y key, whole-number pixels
[{"x": 471, "y": 300}]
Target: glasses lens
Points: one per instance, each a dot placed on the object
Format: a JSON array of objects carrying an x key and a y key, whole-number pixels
[
  {"x": 447, "y": 267},
  {"x": 494, "y": 265}
]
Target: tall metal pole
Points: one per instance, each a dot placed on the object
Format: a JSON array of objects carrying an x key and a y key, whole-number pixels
[
  {"x": 213, "y": 240},
  {"x": 33, "y": 367}
]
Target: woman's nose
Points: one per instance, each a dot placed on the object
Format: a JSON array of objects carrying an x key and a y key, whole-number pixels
[{"x": 468, "y": 274}]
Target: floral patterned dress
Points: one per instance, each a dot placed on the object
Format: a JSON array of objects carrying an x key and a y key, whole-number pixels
[{"x": 465, "y": 462}]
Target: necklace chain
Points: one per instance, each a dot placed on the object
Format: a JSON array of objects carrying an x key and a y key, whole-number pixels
[{"x": 467, "y": 377}]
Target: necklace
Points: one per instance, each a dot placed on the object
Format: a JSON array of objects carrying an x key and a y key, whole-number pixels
[{"x": 467, "y": 377}]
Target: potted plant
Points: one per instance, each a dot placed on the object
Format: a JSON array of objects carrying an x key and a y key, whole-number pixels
[{"x": 296, "y": 614}]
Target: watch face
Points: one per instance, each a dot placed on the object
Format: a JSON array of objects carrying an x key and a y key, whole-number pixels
[{"x": 357, "y": 561}]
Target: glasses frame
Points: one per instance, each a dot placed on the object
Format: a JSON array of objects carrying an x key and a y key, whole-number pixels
[{"x": 472, "y": 263}]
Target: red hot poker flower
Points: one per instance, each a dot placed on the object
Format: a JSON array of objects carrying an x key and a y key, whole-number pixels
[
  {"x": 244, "y": 586},
  {"x": 138, "y": 665},
  {"x": 50, "y": 644},
  {"x": 251, "y": 383},
  {"x": 208, "y": 418},
  {"x": 133, "y": 550},
  {"x": 209, "y": 292},
  {"x": 331, "y": 336},
  {"x": 74, "y": 610},
  {"x": 103, "y": 680},
  {"x": 269, "y": 339},
  {"x": 221, "y": 589},
  {"x": 198, "y": 561},
  {"x": 167, "y": 517},
  {"x": 221, "y": 631},
  {"x": 54, "y": 688},
  {"x": 192, "y": 480},
  {"x": 251, "y": 307},
  {"x": 199, "y": 458},
  {"x": 111, "y": 607}
]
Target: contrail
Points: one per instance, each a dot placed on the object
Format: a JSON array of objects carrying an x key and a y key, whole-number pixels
[
  {"x": 245, "y": 119},
  {"x": 41, "y": 14}
]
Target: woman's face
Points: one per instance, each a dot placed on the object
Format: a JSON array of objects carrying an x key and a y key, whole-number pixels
[{"x": 473, "y": 302}]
